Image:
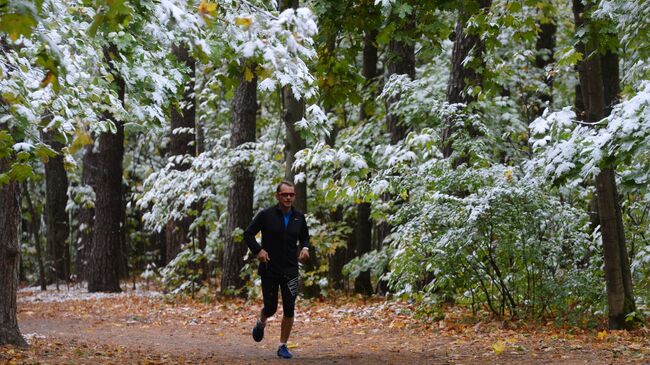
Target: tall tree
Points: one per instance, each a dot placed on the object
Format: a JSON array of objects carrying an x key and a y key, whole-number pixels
[
  {"x": 293, "y": 110},
  {"x": 35, "y": 221},
  {"x": 545, "y": 47},
  {"x": 240, "y": 198},
  {"x": 363, "y": 230},
  {"x": 600, "y": 85},
  {"x": 401, "y": 61},
  {"x": 56, "y": 218},
  {"x": 181, "y": 143},
  {"x": 463, "y": 74},
  {"x": 86, "y": 213},
  {"x": 105, "y": 256},
  {"x": 9, "y": 255}
]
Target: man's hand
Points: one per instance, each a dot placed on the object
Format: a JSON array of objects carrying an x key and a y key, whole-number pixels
[
  {"x": 263, "y": 256},
  {"x": 303, "y": 256}
]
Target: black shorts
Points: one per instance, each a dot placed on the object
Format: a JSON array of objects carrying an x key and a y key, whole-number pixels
[{"x": 289, "y": 288}]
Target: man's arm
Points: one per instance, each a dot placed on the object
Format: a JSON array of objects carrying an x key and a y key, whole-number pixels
[
  {"x": 251, "y": 231},
  {"x": 303, "y": 237}
]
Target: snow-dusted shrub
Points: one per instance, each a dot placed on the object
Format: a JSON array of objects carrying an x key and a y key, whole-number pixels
[{"x": 490, "y": 238}]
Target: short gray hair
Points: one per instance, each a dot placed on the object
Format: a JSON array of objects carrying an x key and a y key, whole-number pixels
[{"x": 284, "y": 182}]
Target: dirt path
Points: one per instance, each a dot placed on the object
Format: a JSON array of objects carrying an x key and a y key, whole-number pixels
[{"x": 133, "y": 329}]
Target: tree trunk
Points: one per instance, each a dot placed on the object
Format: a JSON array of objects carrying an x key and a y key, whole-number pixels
[
  {"x": 363, "y": 230},
  {"x": 105, "y": 256},
  {"x": 86, "y": 214},
  {"x": 293, "y": 110},
  {"x": 56, "y": 218},
  {"x": 240, "y": 199},
  {"x": 581, "y": 97},
  {"x": 181, "y": 143},
  {"x": 545, "y": 47},
  {"x": 36, "y": 233},
  {"x": 202, "y": 230},
  {"x": 462, "y": 77},
  {"x": 338, "y": 259},
  {"x": 362, "y": 283},
  {"x": 600, "y": 93},
  {"x": 401, "y": 60},
  {"x": 9, "y": 258}
]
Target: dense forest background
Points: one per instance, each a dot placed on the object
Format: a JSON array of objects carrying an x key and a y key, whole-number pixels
[{"x": 492, "y": 154}]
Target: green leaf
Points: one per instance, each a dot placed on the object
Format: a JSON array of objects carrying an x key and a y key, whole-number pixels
[
  {"x": 23, "y": 156},
  {"x": 44, "y": 152},
  {"x": 21, "y": 172},
  {"x": 15, "y": 24},
  {"x": 4, "y": 179}
]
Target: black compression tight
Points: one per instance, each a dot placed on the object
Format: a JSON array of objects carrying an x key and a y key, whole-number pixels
[{"x": 289, "y": 289}]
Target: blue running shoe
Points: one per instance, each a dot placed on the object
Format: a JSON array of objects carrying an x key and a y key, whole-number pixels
[
  {"x": 284, "y": 353},
  {"x": 258, "y": 332}
]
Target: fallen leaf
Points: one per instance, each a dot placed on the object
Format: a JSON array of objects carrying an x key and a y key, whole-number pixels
[{"x": 498, "y": 347}]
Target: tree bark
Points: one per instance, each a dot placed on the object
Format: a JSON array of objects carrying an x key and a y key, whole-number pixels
[
  {"x": 240, "y": 199},
  {"x": 9, "y": 258},
  {"x": 581, "y": 97},
  {"x": 56, "y": 218},
  {"x": 338, "y": 259},
  {"x": 36, "y": 233},
  {"x": 86, "y": 214},
  {"x": 401, "y": 60},
  {"x": 545, "y": 47},
  {"x": 362, "y": 284},
  {"x": 181, "y": 143},
  {"x": 600, "y": 90},
  {"x": 462, "y": 76},
  {"x": 363, "y": 230},
  {"x": 104, "y": 267}
]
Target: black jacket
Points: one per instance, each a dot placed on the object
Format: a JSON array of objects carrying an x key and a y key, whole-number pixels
[{"x": 282, "y": 244}]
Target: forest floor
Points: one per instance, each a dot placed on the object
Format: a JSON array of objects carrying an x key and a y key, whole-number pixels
[{"x": 140, "y": 327}]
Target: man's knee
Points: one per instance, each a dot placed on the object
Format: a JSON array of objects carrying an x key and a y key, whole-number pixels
[{"x": 269, "y": 310}]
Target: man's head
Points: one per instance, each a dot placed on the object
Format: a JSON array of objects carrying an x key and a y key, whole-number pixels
[{"x": 285, "y": 193}]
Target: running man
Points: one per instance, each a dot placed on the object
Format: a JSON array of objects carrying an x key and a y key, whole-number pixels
[{"x": 285, "y": 241}]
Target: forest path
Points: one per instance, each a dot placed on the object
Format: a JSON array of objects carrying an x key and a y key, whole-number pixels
[{"x": 136, "y": 328}]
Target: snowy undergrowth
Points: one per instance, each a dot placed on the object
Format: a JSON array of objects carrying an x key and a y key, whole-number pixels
[{"x": 34, "y": 294}]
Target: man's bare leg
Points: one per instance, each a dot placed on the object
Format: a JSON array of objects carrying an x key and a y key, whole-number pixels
[{"x": 285, "y": 329}]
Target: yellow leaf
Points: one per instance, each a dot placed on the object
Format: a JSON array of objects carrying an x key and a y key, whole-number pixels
[
  {"x": 82, "y": 138},
  {"x": 601, "y": 335},
  {"x": 246, "y": 22},
  {"x": 48, "y": 79},
  {"x": 207, "y": 8},
  {"x": 292, "y": 345},
  {"x": 263, "y": 73},
  {"x": 248, "y": 74},
  {"x": 508, "y": 175},
  {"x": 499, "y": 347}
]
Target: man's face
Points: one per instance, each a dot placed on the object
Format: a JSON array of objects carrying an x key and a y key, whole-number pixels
[{"x": 286, "y": 196}]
